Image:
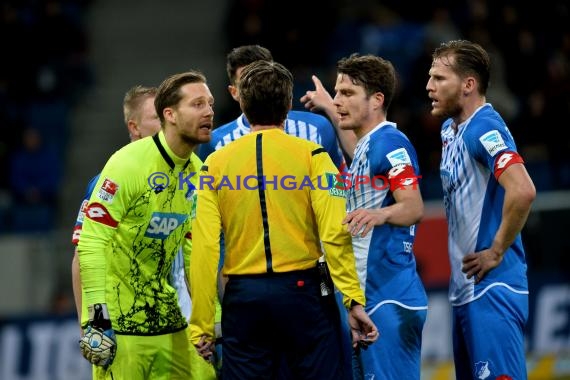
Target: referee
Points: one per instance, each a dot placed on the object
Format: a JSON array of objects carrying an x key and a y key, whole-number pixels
[{"x": 273, "y": 310}]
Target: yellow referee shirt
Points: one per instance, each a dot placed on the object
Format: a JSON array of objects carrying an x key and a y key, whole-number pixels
[{"x": 273, "y": 196}]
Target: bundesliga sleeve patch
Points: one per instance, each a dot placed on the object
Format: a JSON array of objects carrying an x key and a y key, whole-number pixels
[
  {"x": 82, "y": 210},
  {"x": 107, "y": 191},
  {"x": 493, "y": 142},
  {"x": 399, "y": 157}
]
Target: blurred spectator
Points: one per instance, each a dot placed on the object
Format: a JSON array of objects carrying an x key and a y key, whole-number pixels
[
  {"x": 47, "y": 70},
  {"x": 289, "y": 29},
  {"x": 34, "y": 179}
]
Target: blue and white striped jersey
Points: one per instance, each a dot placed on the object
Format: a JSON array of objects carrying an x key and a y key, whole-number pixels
[
  {"x": 303, "y": 124},
  {"x": 178, "y": 281},
  {"x": 471, "y": 160},
  {"x": 384, "y": 258}
]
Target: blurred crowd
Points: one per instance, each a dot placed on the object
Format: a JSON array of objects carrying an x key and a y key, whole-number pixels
[{"x": 44, "y": 70}]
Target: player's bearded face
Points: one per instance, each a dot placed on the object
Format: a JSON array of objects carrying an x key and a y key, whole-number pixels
[
  {"x": 197, "y": 130},
  {"x": 450, "y": 103},
  {"x": 194, "y": 115}
]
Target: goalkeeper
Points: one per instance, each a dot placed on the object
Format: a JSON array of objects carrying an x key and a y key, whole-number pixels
[{"x": 137, "y": 218}]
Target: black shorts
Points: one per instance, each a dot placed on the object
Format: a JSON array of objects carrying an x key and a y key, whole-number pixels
[{"x": 278, "y": 326}]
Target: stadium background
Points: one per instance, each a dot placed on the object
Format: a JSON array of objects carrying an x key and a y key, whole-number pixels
[{"x": 67, "y": 64}]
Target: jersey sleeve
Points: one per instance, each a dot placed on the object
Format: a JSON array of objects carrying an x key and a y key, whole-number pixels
[
  {"x": 330, "y": 142},
  {"x": 397, "y": 163},
  {"x": 82, "y": 209},
  {"x": 492, "y": 145},
  {"x": 107, "y": 205},
  {"x": 204, "y": 260},
  {"x": 329, "y": 205}
]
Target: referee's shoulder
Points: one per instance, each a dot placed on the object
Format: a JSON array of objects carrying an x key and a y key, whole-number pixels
[{"x": 301, "y": 144}]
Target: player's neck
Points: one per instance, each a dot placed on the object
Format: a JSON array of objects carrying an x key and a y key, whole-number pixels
[
  {"x": 468, "y": 109},
  {"x": 367, "y": 126},
  {"x": 255, "y": 128}
]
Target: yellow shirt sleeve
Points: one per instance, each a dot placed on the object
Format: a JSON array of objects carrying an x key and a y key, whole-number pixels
[
  {"x": 204, "y": 262},
  {"x": 106, "y": 208},
  {"x": 329, "y": 205}
]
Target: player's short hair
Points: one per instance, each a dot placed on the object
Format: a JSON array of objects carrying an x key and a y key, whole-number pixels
[
  {"x": 266, "y": 92},
  {"x": 470, "y": 59},
  {"x": 242, "y": 56},
  {"x": 134, "y": 99},
  {"x": 374, "y": 73},
  {"x": 169, "y": 94}
]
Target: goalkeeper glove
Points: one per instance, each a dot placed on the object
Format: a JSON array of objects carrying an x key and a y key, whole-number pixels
[{"x": 98, "y": 343}]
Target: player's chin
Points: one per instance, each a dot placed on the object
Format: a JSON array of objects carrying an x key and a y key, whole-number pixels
[
  {"x": 437, "y": 111},
  {"x": 345, "y": 124},
  {"x": 205, "y": 133}
]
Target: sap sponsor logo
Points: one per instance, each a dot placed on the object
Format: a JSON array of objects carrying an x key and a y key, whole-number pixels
[
  {"x": 399, "y": 157},
  {"x": 161, "y": 224},
  {"x": 107, "y": 191},
  {"x": 493, "y": 142}
]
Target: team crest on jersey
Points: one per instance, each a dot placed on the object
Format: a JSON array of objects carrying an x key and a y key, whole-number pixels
[
  {"x": 493, "y": 142},
  {"x": 107, "y": 191},
  {"x": 482, "y": 370},
  {"x": 162, "y": 224},
  {"x": 190, "y": 193},
  {"x": 399, "y": 157}
]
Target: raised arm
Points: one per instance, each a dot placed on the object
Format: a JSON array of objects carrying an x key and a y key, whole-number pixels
[{"x": 320, "y": 100}]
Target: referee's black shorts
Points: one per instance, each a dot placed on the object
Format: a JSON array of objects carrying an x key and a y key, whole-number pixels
[{"x": 278, "y": 326}]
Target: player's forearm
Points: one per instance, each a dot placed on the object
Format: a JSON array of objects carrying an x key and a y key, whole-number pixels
[
  {"x": 405, "y": 213},
  {"x": 347, "y": 140},
  {"x": 92, "y": 261},
  {"x": 203, "y": 285},
  {"x": 516, "y": 209},
  {"x": 203, "y": 271},
  {"x": 342, "y": 267}
]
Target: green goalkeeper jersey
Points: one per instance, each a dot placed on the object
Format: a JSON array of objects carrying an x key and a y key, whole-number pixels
[{"x": 137, "y": 218}]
